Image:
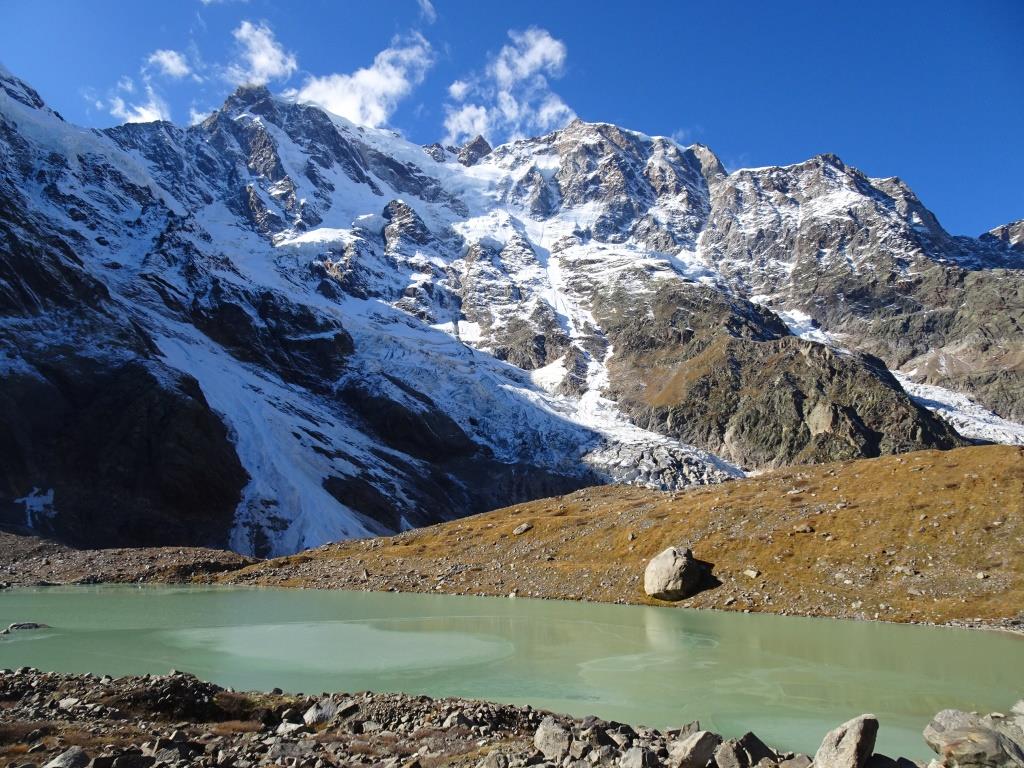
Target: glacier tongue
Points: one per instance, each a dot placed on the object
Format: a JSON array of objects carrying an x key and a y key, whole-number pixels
[{"x": 970, "y": 419}]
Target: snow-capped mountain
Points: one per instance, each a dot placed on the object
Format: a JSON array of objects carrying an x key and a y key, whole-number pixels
[{"x": 278, "y": 328}]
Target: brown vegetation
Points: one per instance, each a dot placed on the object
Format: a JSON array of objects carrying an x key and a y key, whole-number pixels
[{"x": 929, "y": 536}]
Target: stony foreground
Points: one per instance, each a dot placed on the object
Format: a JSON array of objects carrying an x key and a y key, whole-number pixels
[{"x": 77, "y": 721}]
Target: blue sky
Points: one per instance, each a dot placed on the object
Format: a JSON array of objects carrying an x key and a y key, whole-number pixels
[{"x": 929, "y": 91}]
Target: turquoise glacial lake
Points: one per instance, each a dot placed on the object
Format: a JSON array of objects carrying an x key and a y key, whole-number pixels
[{"x": 788, "y": 679}]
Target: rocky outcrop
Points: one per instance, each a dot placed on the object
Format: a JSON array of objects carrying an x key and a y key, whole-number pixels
[
  {"x": 728, "y": 377},
  {"x": 1011, "y": 234},
  {"x": 474, "y": 151}
]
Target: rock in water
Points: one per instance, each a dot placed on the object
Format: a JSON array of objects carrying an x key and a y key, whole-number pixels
[
  {"x": 72, "y": 758},
  {"x": 848, "y": 746},
  {"x": 552, "y": 739},
  {"x": 673, "y": 575},
  {"x": 23, "y": 625}
]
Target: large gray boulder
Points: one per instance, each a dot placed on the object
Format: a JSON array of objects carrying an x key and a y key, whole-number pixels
[
  {"x": 321, "y": 712},
  {"x": 673, "y": 575},
  {"x": 72, "y": 758},
  {"x": 552, "y": 739},
  {"x": 848, "y": 746},
  {"x": 693, "y": 751},
  {"x": 638, "y": 757},
  {"x": 730, "y": 754},
  {"x": 966, "y": 740}
]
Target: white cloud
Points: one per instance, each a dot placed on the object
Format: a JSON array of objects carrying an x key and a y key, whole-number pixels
[
  {"x": 458, "y": 89},
  {"x": 126, "y": 84},
  {"x": 514, "y": 97},
  {"x": 532, "y": 52},
  {"x": 154, "y": 108},
  {"x": 262, "y": 58},
  {"x": 469, "y": 120},
  {"x": 427, "y": 11},
  {"x": 196, "y": 116},
  {"x": 370, "y": 95},
  {"x": 170, "y": 63}
]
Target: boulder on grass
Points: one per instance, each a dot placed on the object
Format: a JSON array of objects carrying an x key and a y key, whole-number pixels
[{"x": 673, "y": 575}]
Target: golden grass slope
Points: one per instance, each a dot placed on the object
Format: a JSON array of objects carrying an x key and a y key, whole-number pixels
[{"x": 929, "y": 536}]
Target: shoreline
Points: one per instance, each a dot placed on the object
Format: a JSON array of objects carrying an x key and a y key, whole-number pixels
[
  {"x": 42, "y": 563},
  {"x": 1013, "y": 630},
  {"x": 928, "y": 538}
]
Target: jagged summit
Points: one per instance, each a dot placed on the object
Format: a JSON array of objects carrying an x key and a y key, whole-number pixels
[
  {"x": 277, "y": 328},
  {"x": 1011, "y": 234},
  {"x": 247, "y": 97},
  {"x": 474, "y": 150}
]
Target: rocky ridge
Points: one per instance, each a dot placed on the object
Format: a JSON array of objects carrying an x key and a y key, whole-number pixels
[{"x": 276, "y": 328}]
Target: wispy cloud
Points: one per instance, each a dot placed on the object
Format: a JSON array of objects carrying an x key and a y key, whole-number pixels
[
  {"x": 196, "y": 116},
  {"x": 427, "y": 11},
  {"x": 170, "y": 63},
  {"x": 513, "y": 97},
  {"x": 459, "y": 89},
  {"x": 370, "y": 95},
  {"x": 261, "y": 58},
  {"x": 153, "y": 108}
]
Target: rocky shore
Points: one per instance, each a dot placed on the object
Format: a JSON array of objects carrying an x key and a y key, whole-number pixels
[
  {"x": 27, "y": 561},
  {"x": 52, "y": 720}
]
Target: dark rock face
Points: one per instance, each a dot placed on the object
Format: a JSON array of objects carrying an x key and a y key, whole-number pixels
[
  {"x": 123, "y": 454},
  {"x": 727, "y": 376},
  {"x": 267, "y": 329}
]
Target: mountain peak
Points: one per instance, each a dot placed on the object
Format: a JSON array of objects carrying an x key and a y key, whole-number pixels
[
  {"x": 474, "y": 150},
  {"x": 19, "y": 90},
  {"x": 247, "y": 98},
  {"x": 1011, "y": 234}
]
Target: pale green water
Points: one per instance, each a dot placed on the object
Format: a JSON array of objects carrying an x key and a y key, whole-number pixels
[{"x": 789, "y": 680}]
